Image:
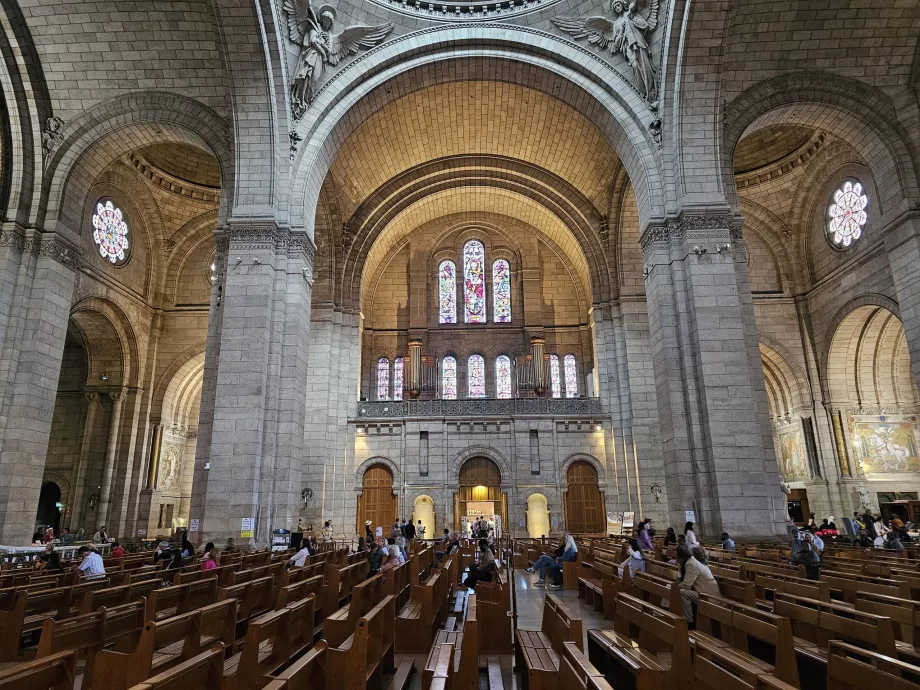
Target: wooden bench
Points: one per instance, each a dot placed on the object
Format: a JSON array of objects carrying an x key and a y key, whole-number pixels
[
  {"x": 339, "y": 583},
  {"x": 202, "y": 672},
  {"x": 302, "y": 634},
  {"x": 537, "y": 651},
  {"x": 577, "y": 673},
  {"x": 904, "y": 615},
  {"x": 853, "y": 668},
  {"x": 369, "y": 653},
  {"x": 493, "y": 609},
  {"x": 255, "y": 598},
  {"x": 628, "y": 655},
  {"x": 116, "y": 596},
  {"x": 815, "y": 623},
  {"x": 56, "y": 672},
  {"x": 415, "y": 624},
  {"x": 600, "y": 584},
  {"x": 465, "y": 644},
  {"x": 718, "y": 668},
  {"x": 728, "y": 624},
  {"x": 88, "y": 634},
  {"x": 848, "y": 585},
  {"x": 266, "y": 649},
  {"x": 27, "y": 614},
  {"x": 769, "y": 585},
  {"x": 307, "y": 673},
  {"x": 365, "y": 596},
  {"x": 655, "y": 590}
]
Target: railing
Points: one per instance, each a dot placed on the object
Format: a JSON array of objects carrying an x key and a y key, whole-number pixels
[{"x": 481, "y": 407}]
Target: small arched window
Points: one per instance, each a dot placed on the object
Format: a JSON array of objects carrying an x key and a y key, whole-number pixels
[
  {"x": 555, "y": 383},
  {"x": 449, "y": 378},
  {"x": 501, "y": 292},
  {"x": 383, "y": 379},
  {"x": 503, "y": 376},
  {"x": 474, "y": 282},
  {"x": 476, "y": 376},
  {"x": 398, "y": 378},
  {"x": 571, "y": 377},
  {"x": 447, "y": 292}
]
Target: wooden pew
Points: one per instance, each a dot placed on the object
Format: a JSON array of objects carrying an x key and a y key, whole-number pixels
[
  {"x": 493, "y": 603},
  {"x": 116, "y": 596},
  {"x": 537, "y": 651},
  {"x": 465, "y": 643},
  {"x": 904, "y": 614},
  {"x": 303, "y": 614},
  {"x": 815, "y": 623},
  {"x": 267, "y": 649},
  {"x": 577, "y": 673},
  {"x": 627, "y": 655},
  {"x": 728, "y": 624},
  {"x": 340, "y": 625},
  {"x": 88, "y": 634},
  {"x": 853, "y": 668},
  {"x": 255, "y": 598},
  {"x": 202, "y": 672},
  {"x": 769, "y": 585},
  {"x": 56, "y": 672},
  {"x": 360, "y": 662},
  {"x": 655, "y": 590},
  {"x": 307, "y": 673},
  {"x": 339, "y": 583},
  {"x": 168, "y": 602},
  {"x": 415, "y": 624},
  {"x": 28, "y": 613},
  {"x": 600, "y": 584},
  {"x": 718, "y": 668},
  {"x": 849, "y": 585}
]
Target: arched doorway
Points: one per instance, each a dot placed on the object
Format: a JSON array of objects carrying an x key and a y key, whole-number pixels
[
  {"x": 424, "y": 511},
  {"x": 584, "y": 502},
  {"x": 48, "y": 511},
  {"x": 480, "y": 492},
  {"x": 377, "y": 501},
  {"x": 537, "y": 516}
]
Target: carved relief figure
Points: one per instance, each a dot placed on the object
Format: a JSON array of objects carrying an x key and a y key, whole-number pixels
[
  {"x": 171, "y": 468},
  {"x": 626, "y": 34},
  {"x": 321, "y": 46}
]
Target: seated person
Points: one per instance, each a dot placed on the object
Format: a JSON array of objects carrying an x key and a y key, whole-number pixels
[
  {"x": 299, "y": 559},
  {"x": 375, "y": 556},
  {"x": 570, "y": 554},
  {"x": 636, "y": 560},
  {"x": 90, "y": 565},
  {"x": 176, "y": 563},
  {"x": 50, "y": 560},
  {"x": 695, "y": 577},
  {"x": 484, "y": 569}
]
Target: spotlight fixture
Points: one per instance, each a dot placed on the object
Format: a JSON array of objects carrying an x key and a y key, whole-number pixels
[
  {"x": 105, "y": 377},
  {"x": 598, "y": 427},
  {"x": 722, "y": 248},
  {"x": 699, "y": 250}
]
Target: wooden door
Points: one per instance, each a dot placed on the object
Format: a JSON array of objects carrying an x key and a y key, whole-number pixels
[
  {"x": 584, "y": 504},
  {"x": 378, "y": 502}
]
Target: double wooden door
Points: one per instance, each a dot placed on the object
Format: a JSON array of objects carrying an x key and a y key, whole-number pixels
[
  {"x": 377, "y": 501},
  {"x": 584, "y": 502}
]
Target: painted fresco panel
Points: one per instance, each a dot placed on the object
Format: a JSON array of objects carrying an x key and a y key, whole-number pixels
[
  {"x": 885, "y": 444},
  {"x": 792, "y": 451}
]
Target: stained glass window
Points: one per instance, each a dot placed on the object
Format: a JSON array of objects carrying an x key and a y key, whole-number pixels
[
  {"x": 449, "y": 378},
  {"x": 503, "y": 376},
  {"x": 501, "y": 292},
  {"x": 846, "y": 216},
  {"x": 110, "y": 231},
  {"x": 476, "y": 376},
  {"x": 571, "y": 377},
  {"x": 474, "y": 282},
  {"x": 397, "y": 378},
  {"x": 447, "y": 292},
  {"x": 383, "y": 379},
  {"x": 554, "y": 382}
]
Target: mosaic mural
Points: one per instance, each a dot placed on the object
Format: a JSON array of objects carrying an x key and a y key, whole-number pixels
[
  {"x": 793, "y": 455},
  {"x": 885, "y": 443}
]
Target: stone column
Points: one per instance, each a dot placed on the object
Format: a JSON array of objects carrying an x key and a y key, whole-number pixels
[
  {"x": 93, "y": 412},
  {"x": 415, "y": 368},
  {"x": 537, "y": 344},
  {"x": 36, "y": 289},
  {"x": 249, "y": 466},
  {"x": 153, "y": 467},
  {"x": 709, "y": 393},
  {"x": 111, "y": 453}
]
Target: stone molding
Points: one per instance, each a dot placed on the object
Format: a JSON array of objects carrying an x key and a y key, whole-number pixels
[
  {"x": 13, "y": 236},
  {"x": 882, "y": 411},
  {"x": 383, "y": 409},
  {"x": 691, "y": 228},
  {"x": 281, "y": 240}
]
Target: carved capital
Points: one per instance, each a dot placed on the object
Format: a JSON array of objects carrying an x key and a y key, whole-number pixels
[
  {"x": 250, "y": 237},
  {"x": 118, "y": 395},
  {"x": 301, "y": 246},
  {"x": 61, "y": 252},
  {"x": 91, "y": 396},
  {"x": 14, "y": 237}
]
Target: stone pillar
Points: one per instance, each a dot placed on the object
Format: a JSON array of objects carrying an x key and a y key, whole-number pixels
[
  {"x": 249, "y": 466},
  {"x": 415, "y": 368},
  {"x": 36, "y": 289},
  {"x": 153, "y": 467},
  {"x": 537, "y": 344},
  {"x": 709, "y": 397},
  {"x": 111, "y": 453},
  {"x": 902, "y": 242},
  {"x": 93, "y": 413}
]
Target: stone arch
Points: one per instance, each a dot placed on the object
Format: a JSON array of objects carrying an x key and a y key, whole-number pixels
[
  {"x": 852, "y": 111},
  {"x": 63, "y": 482},
  {"x": 871, "y": 299},
  {"x": 584, "y": 457},
  {"x": 480, "y": 451},
  {"x": 370, "y": 462},
  {"x": 112, "y": 129},
  {"x": 786, "y": 386},
  {"x": 86, "y": 314},
  {"x": 182, "y": 396},
  {"x": 477, "y": 52},
  {"x": 774, "y": 232},
  {"x": 182, "y": 244}
]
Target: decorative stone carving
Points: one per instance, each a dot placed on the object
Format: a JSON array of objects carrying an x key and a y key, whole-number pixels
[
  {"x": 13, "y": 237},
  {"x": 59, "y": 251},
  {"x": 295, "y": 142},
  {"x": 321, "y": 46},
  {"x": 626, "y": 34},
  {"x": 52, "y": 136},
  {"x": 170, "y": 469},
  {"x": 655, "y": 128}
]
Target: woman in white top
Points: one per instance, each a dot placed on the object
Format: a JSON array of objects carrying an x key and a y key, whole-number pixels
[
  {"x": 636, "y": 561},
  {"x": 690, "y": 536},
  {"x": 300, "y": 558}
]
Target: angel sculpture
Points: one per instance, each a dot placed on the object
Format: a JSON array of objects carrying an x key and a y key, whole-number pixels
[
  {"x": 320, "y": 46},
  {"x": 627, "y": 35}
]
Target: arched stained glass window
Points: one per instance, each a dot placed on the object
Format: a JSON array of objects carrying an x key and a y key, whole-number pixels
[
  {"x": 846, "y": 216},
  {"x": 383, "y": 379},
  {"x": 474, "y": 282},
  {"x": 554, "y": 382},
  {"x": 501, "y": 292},
  {"x": 398, "y": 378},
  {"x": 476, "y": 376},
  {"x": 110, "y": 231},
  {"x": 447, "y": 292},
  {"x": 449, "y": 378},
  {"x": 571, "y": 377},
  {"x": 503, "y": 376}
]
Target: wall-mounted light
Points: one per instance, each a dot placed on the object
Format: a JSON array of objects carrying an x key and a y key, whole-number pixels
[
  {"x": 104, "y": 377},
  {"x": 360, "y": 430},
  {"x": 207, "y": 466},
  {"x": 699, "y": 250},
  {"x": 722, "y": 248},
  {"x": 598, "y": 427}
]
